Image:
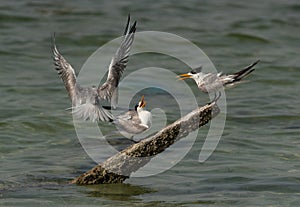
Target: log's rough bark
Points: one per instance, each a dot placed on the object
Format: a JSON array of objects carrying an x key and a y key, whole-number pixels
[{"x": 119, "y": 167}]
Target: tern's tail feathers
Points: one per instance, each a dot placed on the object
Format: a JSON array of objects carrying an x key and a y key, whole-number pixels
[
  {"x": 91, "y": 112},
  {"x": 235, "y": 78},
  {"x": 243, "y": 73}
]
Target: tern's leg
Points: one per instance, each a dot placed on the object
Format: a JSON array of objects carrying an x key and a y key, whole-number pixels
[{"x": 216, "y": 97}]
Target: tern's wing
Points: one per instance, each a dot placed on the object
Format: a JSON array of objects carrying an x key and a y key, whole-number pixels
[
  {"x": 211, "y": 82},
  {"x": 65, "y": 71},
  {"x": 129, "y": 115},
  {"x": 117, "y": 65},
  {"x": 210, "y": 78}
]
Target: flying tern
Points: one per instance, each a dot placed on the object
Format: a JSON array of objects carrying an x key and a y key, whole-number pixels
[{"x": 86, "y": 102}]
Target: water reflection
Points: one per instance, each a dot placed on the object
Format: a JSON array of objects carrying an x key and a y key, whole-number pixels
[{"x": 119, "y": 192}]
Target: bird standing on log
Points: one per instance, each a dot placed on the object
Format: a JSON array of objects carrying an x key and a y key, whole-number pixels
[
  {"x": 214, "y": 82},
  {"x": 135, "y": 121}
]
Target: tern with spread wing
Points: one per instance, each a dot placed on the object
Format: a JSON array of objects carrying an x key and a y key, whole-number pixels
[
  {"x": 135, "y": 121},
  {"x": 214, "y": 82},
  {"x": 86, "y": 102}
]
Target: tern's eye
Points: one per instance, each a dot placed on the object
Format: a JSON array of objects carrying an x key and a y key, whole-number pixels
[{"x": 196, "y": 70}]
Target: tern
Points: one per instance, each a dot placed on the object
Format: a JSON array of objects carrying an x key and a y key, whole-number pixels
[
  {"x": 86, "y": 102},
  {"x": 135, "y": 121},
  {"x": 214, "y": 82}
]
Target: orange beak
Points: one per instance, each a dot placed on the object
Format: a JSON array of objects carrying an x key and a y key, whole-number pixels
[
  {"x": 184, "y": 76},
  {"x": 142, "y": 102}
]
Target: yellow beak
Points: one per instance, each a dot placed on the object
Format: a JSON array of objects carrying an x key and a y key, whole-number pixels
[
  {"x": 184, "y": 76},
  {"x": 142, "y": 102}
]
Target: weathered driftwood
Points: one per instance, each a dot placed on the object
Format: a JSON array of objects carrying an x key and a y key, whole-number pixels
[{"x": 119, "y": 167}]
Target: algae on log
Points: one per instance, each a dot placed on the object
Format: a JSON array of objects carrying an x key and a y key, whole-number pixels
[{"x": 119, "y": 167}]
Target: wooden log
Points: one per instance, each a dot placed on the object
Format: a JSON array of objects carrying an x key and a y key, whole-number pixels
[{"x": 118, "y": 168}]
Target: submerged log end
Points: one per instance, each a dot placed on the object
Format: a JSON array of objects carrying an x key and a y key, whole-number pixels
[{"x": 98, "y": 175}]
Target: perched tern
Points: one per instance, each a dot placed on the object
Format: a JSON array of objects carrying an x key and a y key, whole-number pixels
[
  {"x": 214, "y": 82},
  {"x": 135, "y": 121},
  {"x": 86, "y": 102}
]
